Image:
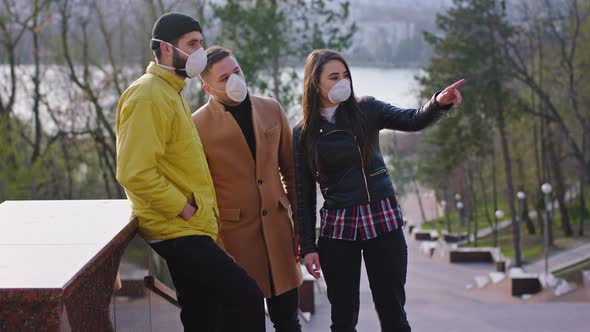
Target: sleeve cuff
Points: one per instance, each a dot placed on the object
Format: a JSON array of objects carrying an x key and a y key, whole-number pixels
[
  {"x": 438, "y": 106},
  {"x": 308, "y": 250}
]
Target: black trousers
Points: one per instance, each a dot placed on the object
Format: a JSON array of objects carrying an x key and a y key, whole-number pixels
[
  {"x": 386, "y": 259},
  {"x": 283, "y": 311},
  {"x": 214, "y": 292}
]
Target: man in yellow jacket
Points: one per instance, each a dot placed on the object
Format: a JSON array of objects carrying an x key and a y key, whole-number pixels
[{"x": 162, "y": 166}]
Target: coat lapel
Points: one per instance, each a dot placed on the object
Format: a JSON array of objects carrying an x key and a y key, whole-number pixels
[
  {"x": 233, "y": 135},
  {"x": 263, "y": 126}
]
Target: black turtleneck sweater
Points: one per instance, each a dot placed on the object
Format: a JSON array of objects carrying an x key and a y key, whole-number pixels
[{"x": 242, "y": 113}]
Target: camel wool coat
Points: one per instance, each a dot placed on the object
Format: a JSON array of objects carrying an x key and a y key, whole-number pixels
[{"x": 258, "y": 227}]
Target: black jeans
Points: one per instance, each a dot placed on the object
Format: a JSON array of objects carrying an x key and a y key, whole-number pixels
[
  {"x": 214, "y": 292},
  {"x": 386, "y": 259},
  {"x": 283, "y": 311}
]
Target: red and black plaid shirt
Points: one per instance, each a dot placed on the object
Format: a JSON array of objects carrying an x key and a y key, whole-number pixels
[{"x": 361, "y": 222}]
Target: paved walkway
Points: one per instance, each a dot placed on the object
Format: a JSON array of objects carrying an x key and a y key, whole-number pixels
[
  {"x": 438, "y": 298},
  {"x": 561, "y": 259},
  {"x": 439, "y": 301}
]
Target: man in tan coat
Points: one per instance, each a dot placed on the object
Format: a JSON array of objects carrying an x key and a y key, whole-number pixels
[{"x": 249, "y": 149}]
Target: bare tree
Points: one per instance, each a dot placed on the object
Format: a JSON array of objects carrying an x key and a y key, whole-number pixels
[{"x": 564, "y": 30}]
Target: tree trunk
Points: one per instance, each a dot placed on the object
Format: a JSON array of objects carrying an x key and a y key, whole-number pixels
[
  {"x": 509, "y": 187},
  {"x": 582, "y": 209},
  {"x": 491, "y": 221},
  {"x": 37, "y": 86},
  {"x": 545, "y": 137},
  {"x": 64, "y": 142},
  {"x": 560, "y": 190},
  {"x": 417, "y": 191},
  {"x": 472, "y": 205},
  {"x": 538, "y": 194},
  {"x": 524, "y": 214},
  {"x": 447, "y": 210},
  {"x": 582, "y": 197}
]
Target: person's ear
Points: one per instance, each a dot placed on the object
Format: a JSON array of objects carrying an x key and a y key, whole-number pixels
[
  {"x": 166, "y": 48},
  {"x": 206, "y": 87}
]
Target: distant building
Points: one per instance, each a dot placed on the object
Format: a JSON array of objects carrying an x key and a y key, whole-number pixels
[{"x": 390, "y": 32}]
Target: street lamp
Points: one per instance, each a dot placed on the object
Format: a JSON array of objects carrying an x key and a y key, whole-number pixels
[
  {"x": 443, "y": 203},
  {"x": 533, "y": 215},
  {"x": 546, "y": 188},
  {"x": 460, "y": 208},
  {"x": 521, "y": 196},
  {"x": 524, "y": 216},
  {"x": 499, "y": 216}
]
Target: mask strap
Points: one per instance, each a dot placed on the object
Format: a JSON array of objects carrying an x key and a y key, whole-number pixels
[
  {"x": 176, "y": 48},
  {"x": 171, "y": 68}
]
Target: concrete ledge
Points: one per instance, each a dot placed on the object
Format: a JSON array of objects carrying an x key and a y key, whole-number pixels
[
  {"x": 525, "y": 284},
  {"x": 425, "y": 235},
  {"x": 454, "y": 237},
  {"x": 481, "y": 255}
]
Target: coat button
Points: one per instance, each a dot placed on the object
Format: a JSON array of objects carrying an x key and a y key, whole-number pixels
[
  {"x": 264, "y": 212},
  {"x": 259, "y": 182}
]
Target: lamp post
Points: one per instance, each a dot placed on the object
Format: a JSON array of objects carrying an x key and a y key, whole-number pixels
[
  {"x": 460, "y": 207},
  {"x": 499, "y": 216},
  {"x": 546, "y": 188},
  {"x": 443, "y": 203},
  {"x": 521, "y": 196},
  {"x": 524, "y": 215}
]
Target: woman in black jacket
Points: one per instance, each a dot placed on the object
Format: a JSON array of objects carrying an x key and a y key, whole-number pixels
[{"x": 337, "y": 145}]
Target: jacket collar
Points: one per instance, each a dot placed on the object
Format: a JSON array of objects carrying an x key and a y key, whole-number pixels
[
  {"x": 327, "y": 127},
  {"x": 176, "y": 82},
  {"x": 219, "y": 107}
]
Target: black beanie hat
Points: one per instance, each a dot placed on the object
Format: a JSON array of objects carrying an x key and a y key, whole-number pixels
[{"x": 171, "y": 26}]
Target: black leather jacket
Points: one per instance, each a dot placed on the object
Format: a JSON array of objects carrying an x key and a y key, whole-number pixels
[{"x": 343, "y": 177}]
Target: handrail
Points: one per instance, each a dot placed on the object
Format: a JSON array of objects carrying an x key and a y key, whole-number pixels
[{"x": 158, "y": 287}]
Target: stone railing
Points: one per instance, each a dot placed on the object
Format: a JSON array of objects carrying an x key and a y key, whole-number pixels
[{"x": 60, "y": 270}]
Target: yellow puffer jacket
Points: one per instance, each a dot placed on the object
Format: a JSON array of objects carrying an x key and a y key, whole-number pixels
[{"x": 160, "y": 159}]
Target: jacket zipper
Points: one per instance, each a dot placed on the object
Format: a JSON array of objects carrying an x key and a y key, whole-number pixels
[
  {"x": 360, "y": 155},
  {"x": 335, "y": 131},
  {"x": 363, "y": 168},
  {"x": 381, "y": 171}
]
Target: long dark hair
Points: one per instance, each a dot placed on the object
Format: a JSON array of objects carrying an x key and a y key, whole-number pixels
[{"x": 348, "y": 115}]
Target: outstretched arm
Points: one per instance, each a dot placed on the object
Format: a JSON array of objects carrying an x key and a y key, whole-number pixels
[{"x": 392, "y": 117}]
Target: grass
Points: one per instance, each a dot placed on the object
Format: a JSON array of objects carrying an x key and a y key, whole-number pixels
[{"x": 440, "y": 224}]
